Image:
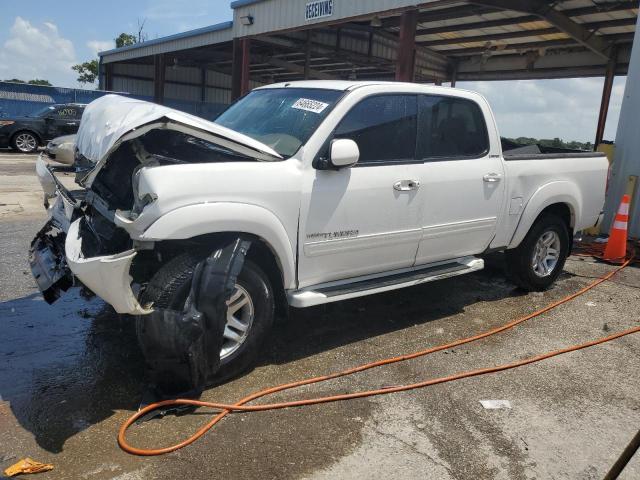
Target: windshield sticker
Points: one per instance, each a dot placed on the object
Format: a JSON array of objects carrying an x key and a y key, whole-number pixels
[{"x": 309, "y": 105}]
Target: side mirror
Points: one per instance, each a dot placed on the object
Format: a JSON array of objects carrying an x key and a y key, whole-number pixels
[{"x": 344, "y": 152}]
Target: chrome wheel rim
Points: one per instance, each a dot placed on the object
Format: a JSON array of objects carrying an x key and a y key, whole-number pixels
[
  {"x": 26, "y": 142},
  {"x": 240, "y": 315},
  {"x": 546, "y": 254}
]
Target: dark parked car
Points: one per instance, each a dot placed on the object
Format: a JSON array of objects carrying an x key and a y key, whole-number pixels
[{"x": 25, "y": 134}]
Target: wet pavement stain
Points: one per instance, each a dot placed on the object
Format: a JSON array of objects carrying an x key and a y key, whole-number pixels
[
  {"x": 70, "y": 373},
  {"x": 66, "y": 366}
]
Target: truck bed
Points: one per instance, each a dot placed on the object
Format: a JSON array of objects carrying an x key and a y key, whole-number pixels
[{"x": 550, "y": 156}]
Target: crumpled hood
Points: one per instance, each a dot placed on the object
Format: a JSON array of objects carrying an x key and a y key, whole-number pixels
[{"x": 106, "y": 120}]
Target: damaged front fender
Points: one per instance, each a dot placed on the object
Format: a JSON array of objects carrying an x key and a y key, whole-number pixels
[{"x": 182, "y": 348}]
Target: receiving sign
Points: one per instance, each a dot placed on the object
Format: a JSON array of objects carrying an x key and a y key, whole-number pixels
[{"x": 318, "y": 9}]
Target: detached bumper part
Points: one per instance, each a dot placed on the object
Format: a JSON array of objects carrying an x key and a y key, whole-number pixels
[
  {"x": 47, "y": 261},
  {"x": 182, "y": 349},
  {"x": 107, "y": 276}
]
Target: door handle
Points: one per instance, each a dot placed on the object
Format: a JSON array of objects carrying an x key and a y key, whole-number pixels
[
  {"x": 406, "y": 185},
  {"x": 72, "y": 124},
  {"x": 492, "y": 177}
]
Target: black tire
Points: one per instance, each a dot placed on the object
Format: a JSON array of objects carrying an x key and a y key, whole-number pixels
[
  {"x": 31, "y": 139},
  {"x": 170, "y": 287},
  {"x": 520, "y": 259}
]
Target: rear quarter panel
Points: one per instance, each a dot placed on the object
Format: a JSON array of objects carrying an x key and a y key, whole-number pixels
[{"x": 534, "y": 184}]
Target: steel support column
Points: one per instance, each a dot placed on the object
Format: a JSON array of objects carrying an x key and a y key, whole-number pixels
[
  {"x": 307, "y": 56},
  {"x": 246, "y": 60},
  {"x": 406, "y": 54},
  {"x": 606, "y": 96},
  {"x": 203, "y": 85},
  {"x": 454, "y": 74},
  {"x": 108, "y": 76},
  {"x": 240, "y": 67},
  {"x": 158, "y": 78}
]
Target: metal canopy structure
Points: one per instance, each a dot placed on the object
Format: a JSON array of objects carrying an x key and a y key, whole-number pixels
[
  {"x": 426, "y": 41},
  {"x": 432, "y": 41}
]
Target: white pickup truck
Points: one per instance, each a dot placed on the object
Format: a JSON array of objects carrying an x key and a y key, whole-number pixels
[{"x": 298, "y": 194}]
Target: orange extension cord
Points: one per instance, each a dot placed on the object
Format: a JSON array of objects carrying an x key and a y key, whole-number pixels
[{"x": 225, "y": 409}]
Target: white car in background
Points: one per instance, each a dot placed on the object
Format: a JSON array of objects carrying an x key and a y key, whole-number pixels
[{"x": 62, "y": 149}]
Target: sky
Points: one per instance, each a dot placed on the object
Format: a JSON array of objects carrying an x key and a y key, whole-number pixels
[{"x": 43, "y": 39}]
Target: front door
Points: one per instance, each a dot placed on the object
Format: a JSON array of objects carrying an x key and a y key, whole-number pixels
[
  {"x": 462, "y": 179},
  {"x": 364, "y": 220}
]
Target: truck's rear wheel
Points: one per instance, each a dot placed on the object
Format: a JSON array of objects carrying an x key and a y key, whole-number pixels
[
  {"x": 536, "y": 263},
  {"x": 248, "y": 319}
]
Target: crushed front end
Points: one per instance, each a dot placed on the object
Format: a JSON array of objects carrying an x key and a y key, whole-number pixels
[
  {"x": 95, "y": 234},
  {"x": 79, "y": 246}
]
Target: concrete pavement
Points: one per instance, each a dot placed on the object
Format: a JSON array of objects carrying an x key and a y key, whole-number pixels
[{"x": 71, "y": 373}]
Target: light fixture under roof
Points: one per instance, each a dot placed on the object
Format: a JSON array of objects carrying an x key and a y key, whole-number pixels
[
  {"x": 376, "y": 22},
  {"x": 246, "y": 20}
]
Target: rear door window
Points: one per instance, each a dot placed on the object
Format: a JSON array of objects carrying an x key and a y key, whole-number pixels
[
  {"x": 450, "y": 128},
  {"x": 383, "y": 126}
]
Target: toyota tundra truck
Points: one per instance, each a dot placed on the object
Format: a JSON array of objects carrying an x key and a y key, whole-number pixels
[{"x": 299, "y": 194}]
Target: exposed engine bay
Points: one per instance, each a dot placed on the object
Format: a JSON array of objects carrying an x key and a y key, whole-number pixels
[{"x": 114, "y": 189}]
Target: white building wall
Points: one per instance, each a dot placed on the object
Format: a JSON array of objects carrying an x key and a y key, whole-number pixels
[{"x": 273, "y": 15}]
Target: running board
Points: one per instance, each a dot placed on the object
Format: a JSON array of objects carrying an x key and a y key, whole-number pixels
[{"x": 358, "y": 287}]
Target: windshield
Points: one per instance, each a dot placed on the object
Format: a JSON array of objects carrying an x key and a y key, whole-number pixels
[
  {"x": 43, "y": 111},
  {"x": 282, "y": 118}
]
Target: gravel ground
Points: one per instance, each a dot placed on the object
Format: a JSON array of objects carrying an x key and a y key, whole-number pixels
[{"x": 71, "y": 373}]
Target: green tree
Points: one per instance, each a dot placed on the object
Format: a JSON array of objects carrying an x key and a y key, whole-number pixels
[
  {"x": 39, "y": 81},
  {"x": 35, "y": 81},
  {"x": 125, "y": 39},
  {"x": 87, "y": 71}
]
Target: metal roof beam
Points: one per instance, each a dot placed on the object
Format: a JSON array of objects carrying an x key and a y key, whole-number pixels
[
  {"x": 562, "y": 22},
  {"x": 451, "y": 13},
  {"x": 487, "y": 37},
  {"x": 328, "y": 51},
  {"x": 295, "y": 68},
  {"x": 570, "y": 63},
  {"x": 504, "y": 22},
  {"x": 618, "y": 38},
  {"x": 621, "y": 22},
  {"x": 431, "y": 55}
]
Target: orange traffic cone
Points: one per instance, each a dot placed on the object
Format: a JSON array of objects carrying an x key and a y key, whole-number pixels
[{"x": 617, "y": 245}]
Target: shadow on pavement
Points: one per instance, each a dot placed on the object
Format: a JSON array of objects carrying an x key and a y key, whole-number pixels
[
  {"x": 66, "y": 366},
  {"x": 312, "y": 330}
]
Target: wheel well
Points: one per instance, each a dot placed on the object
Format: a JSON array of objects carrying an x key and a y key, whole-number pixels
[
  {"x": 35, "y": 134},
  {"x": 563, "y": 211},
  {"x": 259, "y": 253},
  {"x": 262, "y": 255}
]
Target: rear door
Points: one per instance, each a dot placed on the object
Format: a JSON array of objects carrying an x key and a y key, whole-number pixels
[
  {"x": 354, "y": 221},
  {"x": 66, "y": 120},
  {"x": 462, "y": 178}
]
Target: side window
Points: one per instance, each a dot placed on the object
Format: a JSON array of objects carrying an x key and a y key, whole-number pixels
[
  {"x": 384, "y": 127},
  {"x": 450, "y": 127}
]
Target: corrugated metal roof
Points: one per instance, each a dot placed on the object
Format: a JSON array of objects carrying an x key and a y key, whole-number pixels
[
  {"x": 471, "y": 35},
  {"x": 212, "y": 34}
]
